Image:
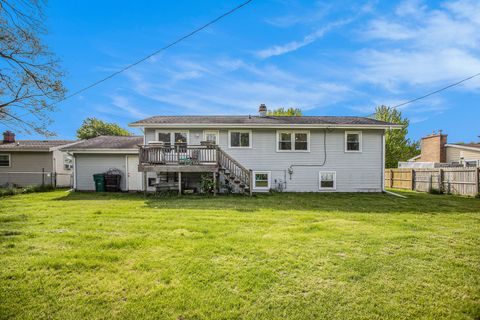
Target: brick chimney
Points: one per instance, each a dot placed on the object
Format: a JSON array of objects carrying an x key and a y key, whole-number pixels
[
  {"x": 262, "y": 110},
  {"x": 8, "y": 137},
  {"x": 433, "y": 148}
]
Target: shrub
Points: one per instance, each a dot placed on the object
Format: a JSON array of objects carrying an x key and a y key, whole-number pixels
[
  {"x": 27, "y": 189},
  {"x": 207, "y": 184}
]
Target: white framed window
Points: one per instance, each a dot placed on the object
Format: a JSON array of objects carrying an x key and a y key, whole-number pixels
[
  {"x": 240, "y": 138},
  {"x": 353, "y": 141},
  {"x": 293, "y": 141},
  {"x": 176, "y": 137},
  {"x": 261, "y": 180},
  {"x": 5, "y": 160},
  {"x": 327, "y": 180},
  {"x": 211, "y": 136}
]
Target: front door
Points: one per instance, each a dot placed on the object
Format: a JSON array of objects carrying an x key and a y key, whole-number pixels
[{"x": 134, "y": 177}]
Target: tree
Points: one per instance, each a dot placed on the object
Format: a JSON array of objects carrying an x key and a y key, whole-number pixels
[
  {"x": 398, "y": 146},
  {"x": 282, "y": 112},
  {"x": 30, "y": 77},
  {"x": 92, "y": 127}
]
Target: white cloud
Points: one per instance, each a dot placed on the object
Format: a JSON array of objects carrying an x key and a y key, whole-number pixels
[
  {"x": 433, "y": 47},
  {"x": 232, "y": 87},
  {"x": 278, "y": 50}
]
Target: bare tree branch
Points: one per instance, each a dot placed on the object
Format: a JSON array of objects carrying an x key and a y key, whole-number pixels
[{"x": 30, "y": 77}]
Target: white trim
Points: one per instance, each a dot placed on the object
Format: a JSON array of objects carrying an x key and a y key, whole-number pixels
[
  {"x": 106, "y": 151},
  {"x": 462, "y": 147},
  {"x": 383, "y": 161},
  {"x": 292, "y": 140},
  {"x": 320, "y": 180},
  {"x": 360, "y": 145},
  {"x": 74, "y": 172},
  {"x": 126, "y": 173},
  {"x": 9, "y": 160},
  {"x": 268, "y": 173},
  {"x": 217, "y": 132},
  {"x": 415, "y": 158},
  {"x": 172, "y": 134},
  {"x": 261, "y": 125},
  {"x": 250, "y": 137}
]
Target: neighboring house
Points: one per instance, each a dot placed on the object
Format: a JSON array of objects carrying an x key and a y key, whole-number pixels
[
  {"x": 259, "y": 153},
  {"x": 436, "y": 152},
  {"x": 98, "y": 155},
  {"x": 33, "y": 162}
]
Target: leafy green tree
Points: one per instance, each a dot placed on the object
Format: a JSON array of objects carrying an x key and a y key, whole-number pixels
[
  {"x": 282, "y": 112},
  {"x": 93, "y": 127},
  {"x": 398, "y": 146}
]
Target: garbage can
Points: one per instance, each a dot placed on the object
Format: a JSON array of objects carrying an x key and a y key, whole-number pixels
[
  {"x": 112, "y": 180},
  {"x": 99, "y": 179}
]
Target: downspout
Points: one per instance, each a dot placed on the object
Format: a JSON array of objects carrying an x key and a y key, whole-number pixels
[{"x": 383, "y": 162}]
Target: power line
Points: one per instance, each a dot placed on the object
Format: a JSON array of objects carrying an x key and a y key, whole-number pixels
[
  {"x": 433, "y": 92},
  {"x": 437, "y": 91},
  {"x": 188, "y": 35}
]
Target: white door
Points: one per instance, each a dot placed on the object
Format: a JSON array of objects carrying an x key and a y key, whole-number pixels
[{"x": 134, "y": 177}]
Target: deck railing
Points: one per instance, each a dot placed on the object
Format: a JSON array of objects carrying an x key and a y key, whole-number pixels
[
  {"x": 190, "y": 155},
  {"x": 177, "y": 155}
]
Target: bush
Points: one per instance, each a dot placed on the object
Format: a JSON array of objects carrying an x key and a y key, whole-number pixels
[
  {"x": 207, "y": 184},
  {"x": 27, "y": 189}
]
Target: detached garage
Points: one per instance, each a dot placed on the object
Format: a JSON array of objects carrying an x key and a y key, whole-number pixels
[{"x": 104, "y": 153}]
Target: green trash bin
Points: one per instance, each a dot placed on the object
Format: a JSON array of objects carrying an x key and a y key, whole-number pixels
[{"x": 99, "y": 179}]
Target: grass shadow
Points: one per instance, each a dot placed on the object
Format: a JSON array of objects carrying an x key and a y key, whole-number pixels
[{"x": 344, "y": 202}]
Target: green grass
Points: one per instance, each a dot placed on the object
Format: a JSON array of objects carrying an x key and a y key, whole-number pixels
[{"x": 279, "y": 256}]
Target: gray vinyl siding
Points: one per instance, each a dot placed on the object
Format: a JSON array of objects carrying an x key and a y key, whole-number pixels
[
  {"x": 355, "y": 172},
  {"x": 86, "y": 165},
  {"x": 26, "y": 162}
]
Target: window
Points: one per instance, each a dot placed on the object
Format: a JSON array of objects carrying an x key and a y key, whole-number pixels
[
  {"x": 261, "y": 180},
  {"x": 327, "y": 180},
  {"x": 239, "y": 139},
  {"x": 353, "y": 141},
  {"x": 4, "y": 160},
  {"x": 293, "y": 141},
  {"x": 176, "y": 138},
  {"x": 211, "y": 136}
]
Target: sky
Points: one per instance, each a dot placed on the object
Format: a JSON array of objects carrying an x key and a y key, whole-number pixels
[{"x": 324, "y": 57}]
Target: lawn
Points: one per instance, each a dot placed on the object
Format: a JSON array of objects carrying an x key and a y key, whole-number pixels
[{"x": 277, "y": 256}]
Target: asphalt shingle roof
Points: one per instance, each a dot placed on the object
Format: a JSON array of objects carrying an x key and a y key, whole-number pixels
[
  {"x": 107, "y": 142},
  {"x": 33, "y": 145},
  {"x": 270, "y": 120}
]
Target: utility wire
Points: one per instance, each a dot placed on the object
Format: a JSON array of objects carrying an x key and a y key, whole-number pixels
[
  {"x": 433, "y": 92},
  {"x": 188, "y": 35},
  {"x": 437, "y": 91}
]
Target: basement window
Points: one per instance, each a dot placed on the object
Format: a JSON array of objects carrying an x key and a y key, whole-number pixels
[
  {"x": 5, "y": 160},
  {"x": 328, "y": 180},
  {"x": 261, "y": 180}
]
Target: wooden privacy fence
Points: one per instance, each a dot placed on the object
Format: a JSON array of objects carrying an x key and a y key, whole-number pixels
[{"x": 461, "y": 181}]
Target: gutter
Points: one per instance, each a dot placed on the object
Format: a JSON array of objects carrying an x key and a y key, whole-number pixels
[{"x": 263, "y": 125}]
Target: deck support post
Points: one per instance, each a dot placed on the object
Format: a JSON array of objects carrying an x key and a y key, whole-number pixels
[
  {"x": 214, "y": 183},
  {"x": 179, "y": 183},
  {"x": 144, "y": 182}
]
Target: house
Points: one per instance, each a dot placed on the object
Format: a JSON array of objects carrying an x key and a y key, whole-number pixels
[
  {"x": 98, "y": 155},
  {"x": 436, "y": 152},
  {"x": 33, "y": 162},
  {"x": 260, "y": 153}
]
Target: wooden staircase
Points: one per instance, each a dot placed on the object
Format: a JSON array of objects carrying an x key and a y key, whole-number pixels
[{"x": 236, "y": 175}]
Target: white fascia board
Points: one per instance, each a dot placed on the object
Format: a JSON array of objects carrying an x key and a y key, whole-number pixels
[
  {"x": 262, "y": 125},
  {"x": 105, "y": 151},
  {"x": 462, "y": 147}
]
